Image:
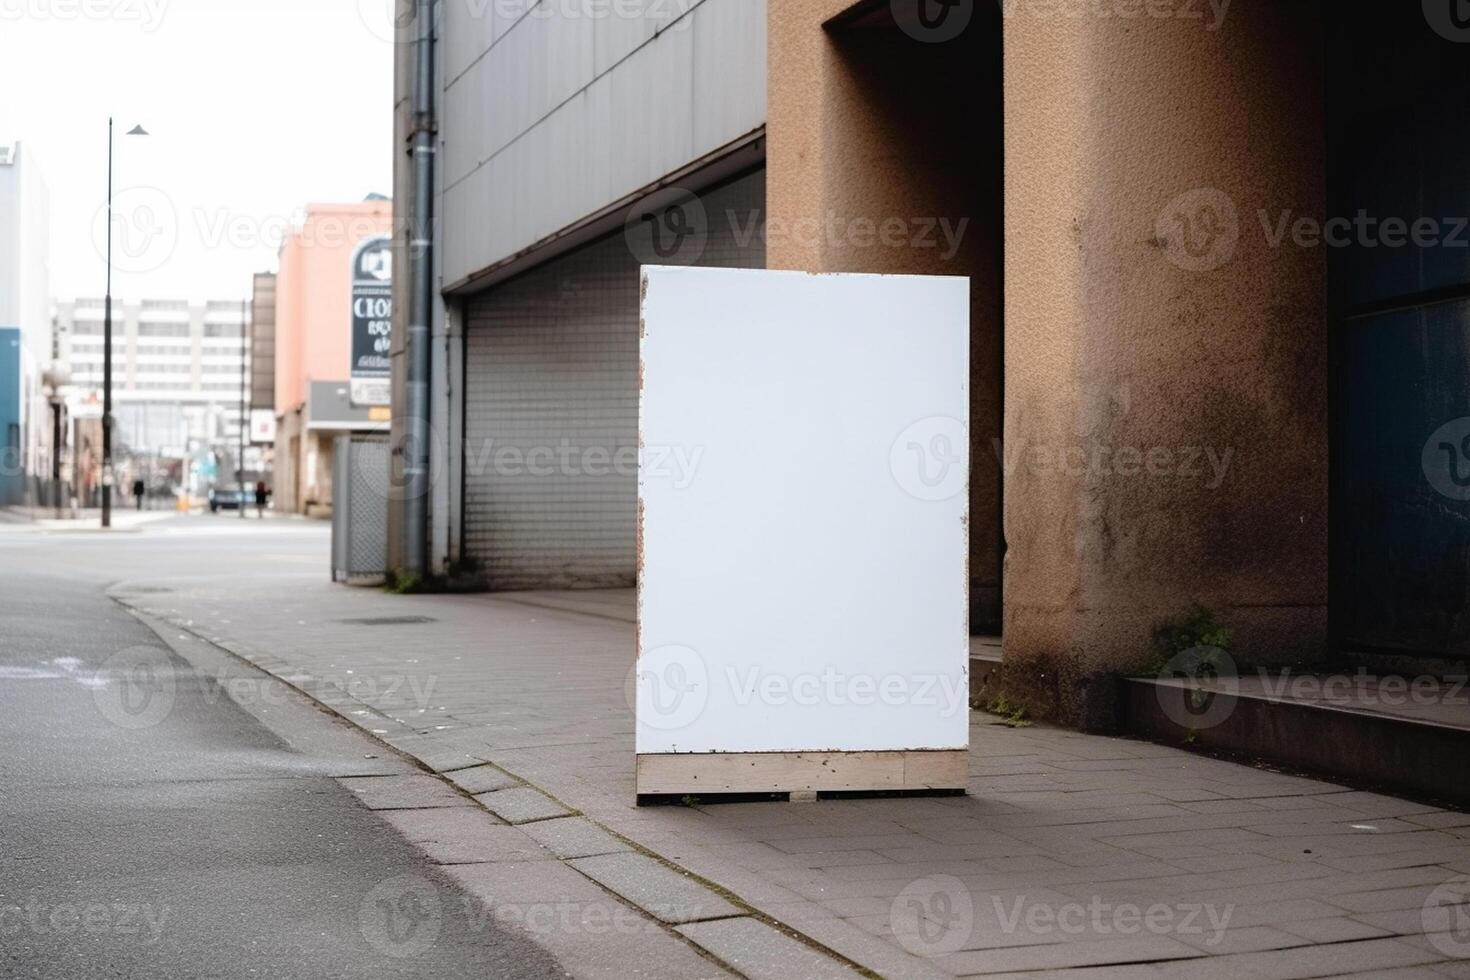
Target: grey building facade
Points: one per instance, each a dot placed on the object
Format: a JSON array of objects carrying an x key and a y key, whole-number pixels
[
  {"x": 575, "y": 142},
  {"x": 26, "y": 450},
  {"x": 263, "y": 343},
  {"x": 178, "y": 369}
]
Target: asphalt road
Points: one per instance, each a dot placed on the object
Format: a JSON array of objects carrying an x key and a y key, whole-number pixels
[{"x": 151, "y": 827}]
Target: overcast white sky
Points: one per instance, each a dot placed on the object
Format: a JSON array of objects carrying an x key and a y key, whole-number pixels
[{"x": 256, "y": 108}]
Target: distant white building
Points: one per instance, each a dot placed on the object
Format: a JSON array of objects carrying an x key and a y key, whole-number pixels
[
  {"x": 177, "y": 369},
  {"x": 25, "y": 324}
]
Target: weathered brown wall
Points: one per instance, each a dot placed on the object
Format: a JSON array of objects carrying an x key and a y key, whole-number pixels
[
  {"x": 1125, "y": 330},
  {"x": 1134, "y": 319},
  {"x": 867, "y": 126}
]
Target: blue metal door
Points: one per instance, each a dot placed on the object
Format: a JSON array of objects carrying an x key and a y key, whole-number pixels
[{"x": 1399, "y": 188}]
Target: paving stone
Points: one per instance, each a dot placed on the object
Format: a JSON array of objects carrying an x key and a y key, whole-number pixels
[
  {"x": 1384, "y": 900},
  {"x": 1371, "y": 955},
  {"x": 521, "y": 805},
  {"x": 573, "y": 837},
  {"x": 760, "y": 952},
  {"x": 1062, "y": 955},
  {"x": 1246, "y": 939},
  {"x": 1280, "y": 913},
  {"x": 409, "y": 792},
  {"x": 878, "y": 953},
  {"x": 1334, "y": 930},
  {"x": 482, "y": 779},
  {"x": 658, "y": 890},
  {"x": 591, "y": 933},
  {"x": 463, "y": 836}
]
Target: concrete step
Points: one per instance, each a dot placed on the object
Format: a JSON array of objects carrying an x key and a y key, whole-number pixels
[{"x": 1409, "y": 735}]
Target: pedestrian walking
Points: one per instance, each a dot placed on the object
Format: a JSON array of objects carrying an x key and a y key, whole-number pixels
[
  {"x": 261, "y": 493},
  {"x": 139, "y": 490}
]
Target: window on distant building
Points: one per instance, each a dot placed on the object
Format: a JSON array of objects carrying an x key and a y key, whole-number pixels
[{"x": 163, "y": 330}]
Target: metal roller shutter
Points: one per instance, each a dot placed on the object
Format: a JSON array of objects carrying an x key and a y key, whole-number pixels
[{"x": 551, "y": 407}]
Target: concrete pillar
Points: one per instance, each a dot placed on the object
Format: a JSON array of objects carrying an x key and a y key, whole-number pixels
[{"x": 1166, "y": 434}]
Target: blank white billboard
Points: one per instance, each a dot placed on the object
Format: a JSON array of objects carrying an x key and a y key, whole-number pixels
[{"x": 803, "y": 495}]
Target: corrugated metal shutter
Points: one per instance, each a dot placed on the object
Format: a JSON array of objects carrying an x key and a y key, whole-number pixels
[{"x": 551, "y": 407}]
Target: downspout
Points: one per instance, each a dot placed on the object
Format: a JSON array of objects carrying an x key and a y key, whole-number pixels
[{"x": 416, "y": 464}]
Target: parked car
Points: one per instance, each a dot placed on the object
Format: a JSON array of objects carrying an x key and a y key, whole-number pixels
[{"x": 229, "y": 498}]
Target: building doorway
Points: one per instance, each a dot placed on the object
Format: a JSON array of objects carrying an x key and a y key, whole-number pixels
[
  {"x": 1398, "y": 138},
  {"x": 913, "y": 183}
]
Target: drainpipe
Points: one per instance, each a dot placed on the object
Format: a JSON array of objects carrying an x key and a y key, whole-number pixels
[{"x": 421, "y": 254}]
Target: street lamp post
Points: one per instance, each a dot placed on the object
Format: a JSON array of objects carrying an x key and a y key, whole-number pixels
[
  {"x": 107, "y": 478},
  {"x": 244, "y": 346},
  {"x": 56, "y": 378}
]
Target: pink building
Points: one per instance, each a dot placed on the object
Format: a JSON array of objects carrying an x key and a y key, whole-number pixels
[{"x": 319, "y": 395}]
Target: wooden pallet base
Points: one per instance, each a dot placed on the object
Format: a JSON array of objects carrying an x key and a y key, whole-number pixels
[{"x": 784, "y": 772}]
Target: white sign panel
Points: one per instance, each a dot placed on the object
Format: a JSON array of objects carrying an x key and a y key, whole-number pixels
[
  {"x": 803, "y": 493},
  {"x": 262, "y": 425}
]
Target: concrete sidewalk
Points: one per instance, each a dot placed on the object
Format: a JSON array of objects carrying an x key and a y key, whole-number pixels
[
  {"x": 43, "y": 519},
  {"x": 1072, "y": 855}
]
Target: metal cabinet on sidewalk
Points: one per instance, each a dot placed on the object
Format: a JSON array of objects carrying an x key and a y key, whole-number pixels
[{"x": 360, "y": 509}]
